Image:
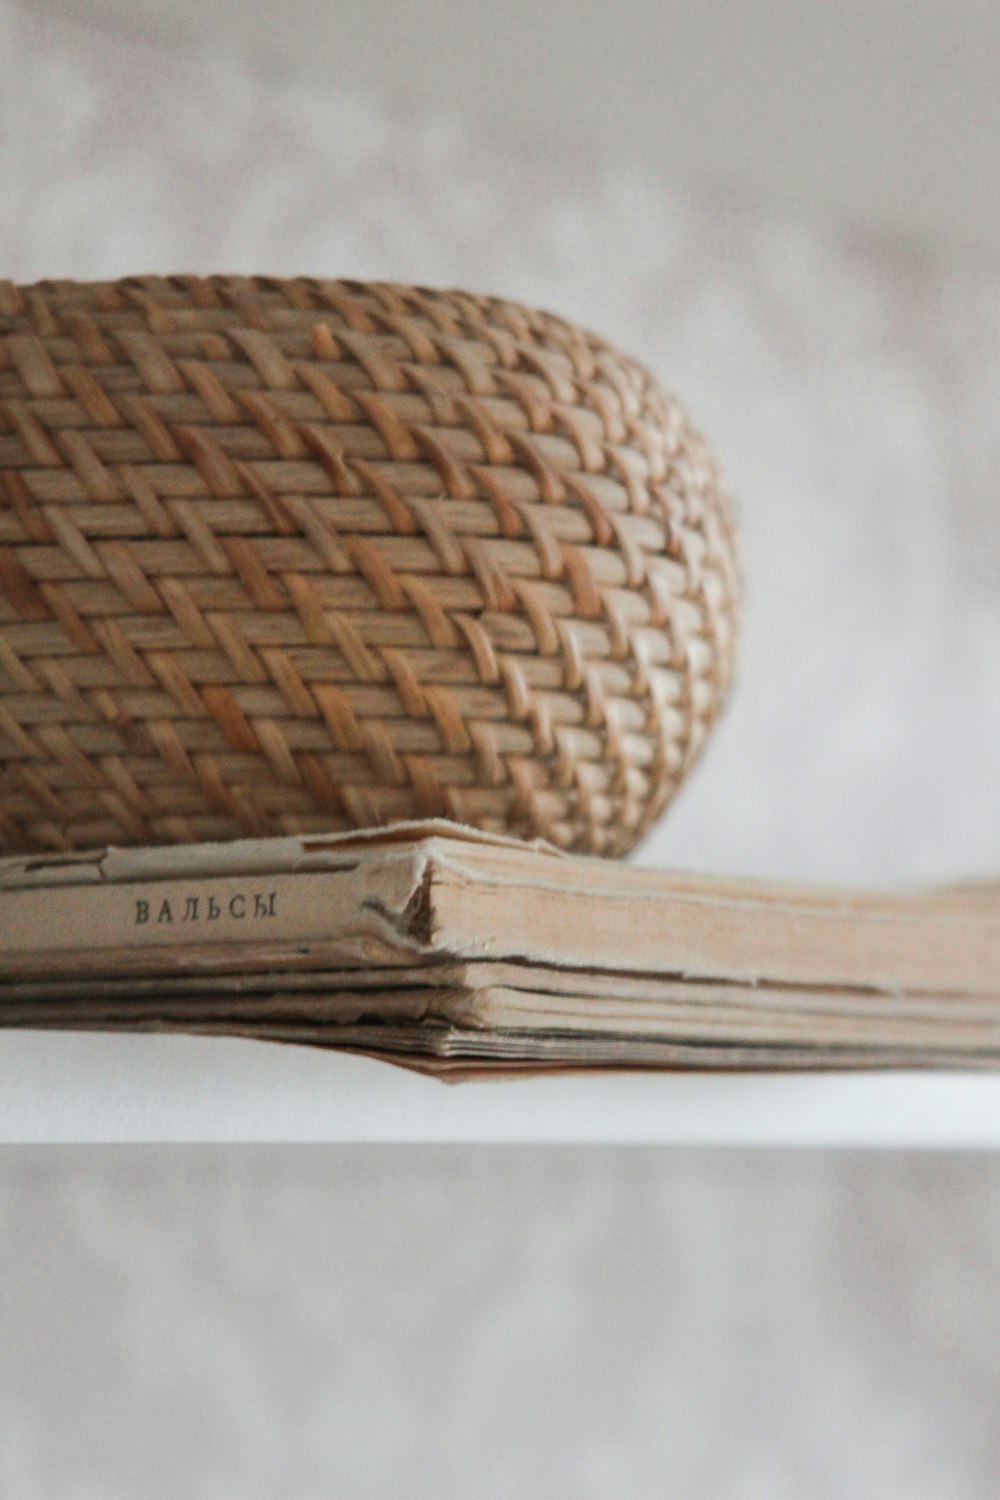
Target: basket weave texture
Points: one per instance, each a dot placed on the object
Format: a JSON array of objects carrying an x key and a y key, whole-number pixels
[{"x": 284, "y": 556}]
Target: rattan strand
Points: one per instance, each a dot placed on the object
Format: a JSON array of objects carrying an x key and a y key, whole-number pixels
[{"x": 280, "y": 556}]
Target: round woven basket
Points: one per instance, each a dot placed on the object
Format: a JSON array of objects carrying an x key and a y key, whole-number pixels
[{"x": 282, "y": 556}]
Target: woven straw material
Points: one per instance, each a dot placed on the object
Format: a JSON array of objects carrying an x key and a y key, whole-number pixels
[{"x": 286, "y": 556}]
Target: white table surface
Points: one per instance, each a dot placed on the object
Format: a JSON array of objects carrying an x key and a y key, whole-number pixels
[{"x": 76, "y": 1088}]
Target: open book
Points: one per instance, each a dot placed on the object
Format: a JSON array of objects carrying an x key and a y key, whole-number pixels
[{"x": 462, "y": 953}]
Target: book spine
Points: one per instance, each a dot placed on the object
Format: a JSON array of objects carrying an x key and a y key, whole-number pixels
[{"x": 367, "y": 903}]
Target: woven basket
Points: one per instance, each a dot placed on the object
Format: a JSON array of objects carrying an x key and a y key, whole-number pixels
[{"x": 291, "y": 556}]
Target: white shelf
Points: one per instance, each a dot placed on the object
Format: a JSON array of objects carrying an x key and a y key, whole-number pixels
[{"x": 77, "y": 1088}]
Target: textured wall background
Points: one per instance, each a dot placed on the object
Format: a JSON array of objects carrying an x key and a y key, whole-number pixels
[
  {"x": 558, "y": 1323},
  {"x": 439, "y": 1324}
]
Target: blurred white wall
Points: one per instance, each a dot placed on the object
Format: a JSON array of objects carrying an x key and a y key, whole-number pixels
[
  {"x": 289, "y": 1324},
  {"x": 882, "y": 112}
]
